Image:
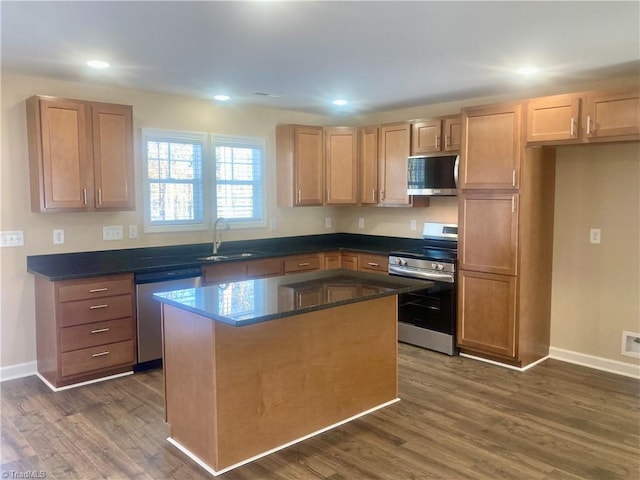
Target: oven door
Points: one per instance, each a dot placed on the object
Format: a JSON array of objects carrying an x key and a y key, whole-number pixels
[{"x": 432, "y": 308}]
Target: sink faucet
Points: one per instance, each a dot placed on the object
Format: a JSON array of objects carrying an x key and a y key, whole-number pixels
[{"x": 217, "y": 237}]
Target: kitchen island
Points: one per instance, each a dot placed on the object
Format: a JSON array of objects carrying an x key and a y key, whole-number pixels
[{"x": 254, "y": 366}]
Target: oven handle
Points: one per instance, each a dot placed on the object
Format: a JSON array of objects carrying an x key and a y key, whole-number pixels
[{"x": 439, "y": 277}]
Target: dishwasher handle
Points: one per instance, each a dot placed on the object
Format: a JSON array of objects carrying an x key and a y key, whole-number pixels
[{"x": 166, "y": 275}]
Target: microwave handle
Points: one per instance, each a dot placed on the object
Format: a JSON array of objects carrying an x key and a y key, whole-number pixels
[{"x": 455, "y": 170}]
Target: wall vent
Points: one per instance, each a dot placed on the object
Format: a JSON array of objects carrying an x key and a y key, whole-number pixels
[{"x": 631, "y": 344}]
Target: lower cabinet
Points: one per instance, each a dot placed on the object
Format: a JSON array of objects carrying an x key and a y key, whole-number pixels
[
  {"x": 233, "y": 271},
  {"x": 373, "y": 263},
  {"x": 487, "y": 303},
  {"x": 85, "y": 329}
]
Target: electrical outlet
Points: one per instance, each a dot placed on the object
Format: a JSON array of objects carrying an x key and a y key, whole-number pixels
[
  {"x": 412, "y": 225},
  {"x": 273, "y": 225},
  {"x": 58, "y": 236},
  {"x": 133, "y": 231},
  {"x": 594, "y": 235},
  {"x": 327, "y": 222},
  {"x": 361, "y": 222},
  {"x": 12, "y": 239},
  {"x": 112, "y": 232}
]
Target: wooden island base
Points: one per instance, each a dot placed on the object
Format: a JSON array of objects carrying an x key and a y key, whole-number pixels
[{"x": 235, "y": 394}]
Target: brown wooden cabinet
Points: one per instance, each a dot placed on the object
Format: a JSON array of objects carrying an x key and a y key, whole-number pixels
[
  {"x": 491, "y": 147},
  {"x": 331, "y": 260},
  {"x": 586, "y": 117},
  {"x": 80, "y": 155},
  {"x": 242, "y": 270},
  {"x": 299, "y": 163},
  {"x": 368, "y": 165},
  {"x": 350, "y": 261},
  {"x": 488, "y": 232},
  {"x": 435, "y": 135},
  {"x": 612, "y": 115},
  {"x": 487, "y": 303},
  {"x": 373, "y": 263},
  {"x": 85, "y": 329},
  {"x": 395, "y": 147},
  {"x": 341, "y": 165},
  {"x": 505, "y": 239},
  {"x": 301, "y": 263}
]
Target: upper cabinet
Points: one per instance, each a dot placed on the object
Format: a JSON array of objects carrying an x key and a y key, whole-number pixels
[
  {"x": 368, "y": 157},
  {"x": 341, "y": 165},
  {"x": 299, "y": 161},
  {"x": 588, "y": 117},
  {"x": 394, "y": 149},
  {"x": 436, "y": 135},
  {"x": 80, "y": 155},
  {"x": 491, "y": 137}
]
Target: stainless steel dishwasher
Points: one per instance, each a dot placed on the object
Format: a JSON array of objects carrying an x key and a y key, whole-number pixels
[{"x": 149, "y": 313}]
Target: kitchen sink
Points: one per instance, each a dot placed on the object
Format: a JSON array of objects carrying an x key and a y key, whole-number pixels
[{"x": 227, "y": 256}]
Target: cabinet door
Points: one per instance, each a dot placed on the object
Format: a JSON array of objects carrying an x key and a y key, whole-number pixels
[
  {"x": 452, "y": 131},
  {"x": 491, "y": 147},
  {"x": 368, "y": 155},
  {"x": 224, "y": 272},
  {"x": 613, "y": 116},
  {"x": 426, "y": 137},
  {"x": 66, "y": 161},
  {"x": 487, "y": 313},
  {"x": 488, "y": 232},
  {"x": 350, "y": 261},
  {"x": 341, "y": 165},
  {"x": 395, "y": 144},
  {"x": 113, "y": 156},
  {"x": 331, "y": 260},
  {"x": 553, "y": 119},
  {"x": 308, "y": 165}
]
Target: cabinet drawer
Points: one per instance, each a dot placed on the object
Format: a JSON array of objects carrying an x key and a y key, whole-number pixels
[
  {"x": 301, "y": 263},
  {"x": 95, "y": 310},
  {"x": 94, "y": 334},
  {"x": 264, "y": 268},
  {"x": 374, "y": 263},
  {"x": 94, "y": 288},
  {"x": 97, "y": 358}
]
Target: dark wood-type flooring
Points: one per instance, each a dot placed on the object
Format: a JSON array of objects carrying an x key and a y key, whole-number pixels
[{"x": 458, "y": 419}]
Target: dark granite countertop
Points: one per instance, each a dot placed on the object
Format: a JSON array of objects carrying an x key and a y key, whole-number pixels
[
  {"x": 259, "y": 300},
  {"x": 67, "y": 266}
]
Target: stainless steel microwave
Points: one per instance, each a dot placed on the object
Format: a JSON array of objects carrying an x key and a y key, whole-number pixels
[{"x": 433, "y": 175}]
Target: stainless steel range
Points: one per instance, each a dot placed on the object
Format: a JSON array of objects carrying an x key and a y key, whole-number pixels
[{"x": 427, "y": 318}]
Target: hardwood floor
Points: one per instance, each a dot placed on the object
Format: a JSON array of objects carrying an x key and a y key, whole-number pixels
[{"x": 458, "y": 419}]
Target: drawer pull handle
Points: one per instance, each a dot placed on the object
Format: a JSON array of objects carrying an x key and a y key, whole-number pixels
[
  {"x": 96, "y": 290},
  {"x": 100, "y": 354},
  {"x": 99, "y": 330},
  {"x": 304, "y": 264},
  {"x": 373, "y": 264},
  {"x": 94, "y": 307}
]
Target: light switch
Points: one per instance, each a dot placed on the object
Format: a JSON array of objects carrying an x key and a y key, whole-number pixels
[
  {"x": 12, "y": 239},
  {"x": 594, "y": 235},
  {"x": 112, "y": 232}
]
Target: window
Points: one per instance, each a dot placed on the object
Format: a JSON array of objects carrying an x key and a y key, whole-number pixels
[
  {"x": 176, "y": 166},
  {"x": 173, "y": 165},
  {"x": 239, "y": 180}
]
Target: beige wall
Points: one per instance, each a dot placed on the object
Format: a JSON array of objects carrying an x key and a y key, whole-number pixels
[
  {"x": 83, "y": 231},
  {"x": 596, "y": 288}
]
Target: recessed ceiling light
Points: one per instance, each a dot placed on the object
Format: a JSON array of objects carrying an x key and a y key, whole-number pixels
[
  {"x": 528, "y": 70},
  {"x": 222, "y": 98},
  {"x": 340, "y": 102},
  {"x": 97, "y": 64}
]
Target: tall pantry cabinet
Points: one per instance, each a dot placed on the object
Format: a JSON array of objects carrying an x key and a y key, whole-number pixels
[{"x": 505, "y": 238}]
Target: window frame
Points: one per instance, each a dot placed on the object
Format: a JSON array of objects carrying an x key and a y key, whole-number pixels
[
  {"x": 151, "y": 134},
  {"x": 240, "y": 141}
]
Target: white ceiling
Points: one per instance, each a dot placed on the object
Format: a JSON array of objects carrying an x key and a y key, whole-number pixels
[{"x": 378, "y": 55}]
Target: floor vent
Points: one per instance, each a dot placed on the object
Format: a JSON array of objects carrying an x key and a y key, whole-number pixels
[{"x": 631, "y": 344}]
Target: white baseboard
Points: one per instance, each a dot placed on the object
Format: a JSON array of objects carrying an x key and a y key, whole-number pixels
[
  {"x": 11, "y": 372},
  {"x": 599, "y": 363},
  {"x": 505, "y": 365}
]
